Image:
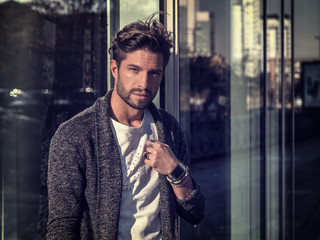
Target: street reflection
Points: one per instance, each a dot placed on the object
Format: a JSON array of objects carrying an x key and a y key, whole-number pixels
[{"x": 53, "y": 65}]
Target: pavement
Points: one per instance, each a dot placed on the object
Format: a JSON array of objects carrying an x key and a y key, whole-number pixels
[{"x": 211, "y": 175}]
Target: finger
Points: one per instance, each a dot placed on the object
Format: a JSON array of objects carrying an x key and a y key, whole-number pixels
[
  {"x": 149, "y": 149},
  {"x": 150, "y": 143},
  {"x": 166, "y": 145},
  {"x": 146, "y": 155},
  {"x": 149, "y": 162}
]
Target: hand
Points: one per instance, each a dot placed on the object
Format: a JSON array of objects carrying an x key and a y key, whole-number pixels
[{"x": 160, "y": 157}]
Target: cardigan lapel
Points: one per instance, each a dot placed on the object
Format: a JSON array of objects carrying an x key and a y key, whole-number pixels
[{"x": 109, "y": 189}]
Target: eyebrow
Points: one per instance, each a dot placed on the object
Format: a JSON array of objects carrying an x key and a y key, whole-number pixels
[
  {"x": 152, "y": 70},
  {"x": 133, "y": 65}
]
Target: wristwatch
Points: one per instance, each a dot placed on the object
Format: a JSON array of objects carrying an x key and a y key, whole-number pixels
[{"x": 178, "y": 172}]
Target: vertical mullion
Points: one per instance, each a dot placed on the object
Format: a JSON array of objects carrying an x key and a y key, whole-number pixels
[
  {"x": 264, "y": 124},
  {"x": 292, "y": 126},
  {"x": 283, "y": 108},
  {"x": 108, "y": 42},
  {"x": 163, "y": 82},
  {"x": 172, "y": 70},
  {"x": 172, "y": 84},
  {"x": 2, "y": 200},
  {"x": 113, "y": 24}
]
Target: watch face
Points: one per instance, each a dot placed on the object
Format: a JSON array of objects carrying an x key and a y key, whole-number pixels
[{"x": 178, "y": 172}]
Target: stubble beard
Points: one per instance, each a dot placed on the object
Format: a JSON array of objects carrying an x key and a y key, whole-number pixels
[{"x": 126, "y": 96}]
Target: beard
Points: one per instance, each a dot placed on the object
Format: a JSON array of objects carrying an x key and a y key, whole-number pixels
[{"x": 139, "y": 104}]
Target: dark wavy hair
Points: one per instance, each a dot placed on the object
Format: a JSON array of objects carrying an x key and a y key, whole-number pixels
[{"x": 150, "y": 34}]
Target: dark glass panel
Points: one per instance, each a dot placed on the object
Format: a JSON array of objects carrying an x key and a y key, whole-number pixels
[{"x": 52, "y": 65}]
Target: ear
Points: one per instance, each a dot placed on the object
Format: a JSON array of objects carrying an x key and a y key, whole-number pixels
[{"x": 114, "y": 68}]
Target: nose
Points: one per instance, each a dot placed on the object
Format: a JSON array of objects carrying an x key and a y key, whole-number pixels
[{"x": 143, "y": 80}]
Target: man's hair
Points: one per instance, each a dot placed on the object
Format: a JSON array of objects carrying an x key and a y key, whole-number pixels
[{"x": 150, "y": 34}]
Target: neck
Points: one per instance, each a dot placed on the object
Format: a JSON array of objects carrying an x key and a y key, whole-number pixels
[{"x": 123, "y": 113}]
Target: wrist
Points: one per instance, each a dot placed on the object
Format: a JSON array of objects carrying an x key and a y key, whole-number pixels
[{"x": 179, "y": 175}]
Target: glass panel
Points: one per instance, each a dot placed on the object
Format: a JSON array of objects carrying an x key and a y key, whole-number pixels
[
  {"x": 126, "y": 12},
  {"x": 307, "y": 118},
  {"x": 204, "y": 34},
  {"x": 273, "y": 120},
  {"x": 246, "y": 93},
  {"x": 53, "y": 65},
  {"x": 236, "y": 131},
  {"x": 288, "y": 168},
  {"x": 133, "y": 10}
]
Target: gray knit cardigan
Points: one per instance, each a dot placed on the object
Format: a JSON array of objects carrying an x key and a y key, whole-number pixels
[{"x": 85, "y": 178}]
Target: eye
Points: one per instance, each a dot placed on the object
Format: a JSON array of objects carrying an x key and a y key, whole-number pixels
[
  {"x": 156, "y": 74},
  {"x": 133, "y": 69}
]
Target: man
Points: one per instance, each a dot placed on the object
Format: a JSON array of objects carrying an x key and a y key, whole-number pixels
[{"x": 118, "y": 170}]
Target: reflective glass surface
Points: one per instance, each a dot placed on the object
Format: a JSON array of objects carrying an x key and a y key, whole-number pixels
[
  {"x": 204, "y": 35},
  {"x": 53, "y": 65},
  {"x": 248, "y": 126},
  {"x": 307, "y": 118}
]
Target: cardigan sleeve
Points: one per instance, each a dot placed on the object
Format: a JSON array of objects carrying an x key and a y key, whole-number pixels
[
  {"x": 192, "y": 208},
  {"x": 66, "y": 184}
]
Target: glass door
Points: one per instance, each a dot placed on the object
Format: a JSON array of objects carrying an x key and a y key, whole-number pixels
[
  {"x": 307, "y": 117},
  {"x": 236, "y": 108},
  {"x": 53, "y": 65}
]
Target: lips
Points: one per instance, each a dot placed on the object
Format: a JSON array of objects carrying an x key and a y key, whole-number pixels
[{"x": 141, "y": 93}]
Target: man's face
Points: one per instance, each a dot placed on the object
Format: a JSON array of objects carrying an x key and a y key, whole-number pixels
[{"x": 138, "y": 78}]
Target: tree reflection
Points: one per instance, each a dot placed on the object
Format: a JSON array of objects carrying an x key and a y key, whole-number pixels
[
  {"x": 56, "y": 7},
  {"x": 208, "y": 105}
]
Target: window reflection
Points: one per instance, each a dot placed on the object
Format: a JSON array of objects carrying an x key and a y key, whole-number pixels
[
  {"x": 208, "y": 105},
  {"x": 307, "y": 117},
  {"x": 225, "y": 111},
  {"x": 241, "y": 108},
  {"x": 53, "y": 65},
  {"x": 205, "y": 108}
]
